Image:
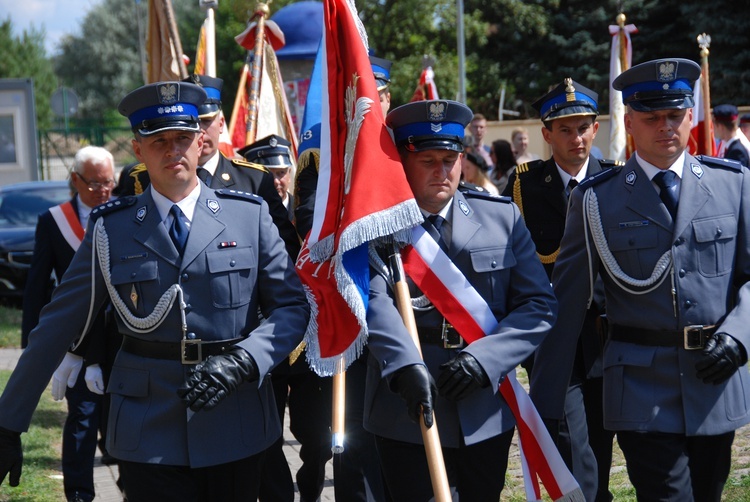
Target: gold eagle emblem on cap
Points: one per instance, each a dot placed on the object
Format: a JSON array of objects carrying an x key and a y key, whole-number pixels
[{"x": 570, "y": 91}]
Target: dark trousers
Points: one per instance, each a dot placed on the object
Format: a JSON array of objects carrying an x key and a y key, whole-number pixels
[
  {"x": 572, "y": 441},
  {"x": 309, "y": 423},
  {"x": 600, "y": 439},
  {"x": 675, "y": 467},
  {"x": 356, "y": 472},
  {"x": 236, "y": 481},
  {"x": 476, "y": 473},
  {"x": 79, "y": 440}
]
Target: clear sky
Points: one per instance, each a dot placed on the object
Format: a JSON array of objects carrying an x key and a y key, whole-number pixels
[{"x": 57, "y": 17}]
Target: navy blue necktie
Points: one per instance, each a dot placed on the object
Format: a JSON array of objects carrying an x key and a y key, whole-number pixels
[
  {"x": 178, "y": 231},
  {"x": 437, "y": 223},
  {"x": 667, "y": 183}
]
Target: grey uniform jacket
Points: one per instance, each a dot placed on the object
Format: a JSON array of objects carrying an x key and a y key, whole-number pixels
[
  {"x": 228, "y": 273},
  {"x": 492, "y": 247},
  {"x": 647, "y": 387}
]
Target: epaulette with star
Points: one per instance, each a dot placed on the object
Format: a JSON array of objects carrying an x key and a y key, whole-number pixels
[
  {"x": 597, "y": 178},
  {"x": 475, "y": 194},
  {"x": 719, "y": 162},
  {"x": 113, "y": 205},
  {"x": 252, "y": 165},
  {"x": 525, "y": 167},
  {"x": 236, "y": 194}
]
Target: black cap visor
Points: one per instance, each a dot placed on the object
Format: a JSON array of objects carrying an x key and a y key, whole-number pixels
[
  {"x": 208, "y": 110},
  {"x": 649, "y": 101},
  {"x": 422, "y": 143},
  {"x": 569, "y": 111},
  {"x": 173, "y": 123}
]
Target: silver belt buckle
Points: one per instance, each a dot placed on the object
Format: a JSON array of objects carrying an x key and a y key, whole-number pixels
[
  {"x": 693, "y": 337},
  {"x": 184, "y": 344},
  {"x": 447, "y": 343}
]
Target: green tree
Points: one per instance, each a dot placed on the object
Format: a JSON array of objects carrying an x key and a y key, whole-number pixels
[
  {"x": 102, "y": 64},
  {"x": 24, "y": 56}
]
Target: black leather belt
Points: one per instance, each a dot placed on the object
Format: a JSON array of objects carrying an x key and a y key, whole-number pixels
[
  {"x": 185, "y": 351},
  {"x": 447, "y": 337},
  {"x": 691, "y": 337}
]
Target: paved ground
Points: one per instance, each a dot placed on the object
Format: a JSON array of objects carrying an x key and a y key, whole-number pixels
[{"x": 105, "y": 477}]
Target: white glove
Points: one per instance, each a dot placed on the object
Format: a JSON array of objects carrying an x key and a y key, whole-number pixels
[
  {"x": 94, "y": 379},
  {"x": 66, "y": 375}
]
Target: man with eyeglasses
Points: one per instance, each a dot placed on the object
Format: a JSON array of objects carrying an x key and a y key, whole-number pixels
[{"x": 59, "y": 232}]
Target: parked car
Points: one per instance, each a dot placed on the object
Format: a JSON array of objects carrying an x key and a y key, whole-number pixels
[{"x": 20, "y": 206}]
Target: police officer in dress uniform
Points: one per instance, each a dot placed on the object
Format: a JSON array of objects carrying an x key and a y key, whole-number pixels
[
  {"x": 667, "y": 233},
  {"x": 218, "y": 171},
  {"x": 735, "y": 146},
  {"x": 485, "y": 237},
  {"x": 356, "y": 471},
  {"x": 541, "y": 189},
  {"x": 309, "y": 407},
  {"x": 187, "y": 268}
]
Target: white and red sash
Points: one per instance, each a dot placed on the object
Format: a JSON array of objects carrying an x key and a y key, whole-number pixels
[
  {"x": 456, "y": 299},
  {"x": 67, "y": 221}
]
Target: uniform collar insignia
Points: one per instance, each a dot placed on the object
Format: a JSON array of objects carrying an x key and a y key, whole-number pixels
[
  {"x": 464, "y": 207},
  {"x": 548, "y": 179},
  {"x": 140, "y": 215},
  {"x": 213, "y": 205},
  {"x": 630, "y": 178},
  {"x": 697, "y": 170},
  {"x": 225, "y": 176}
]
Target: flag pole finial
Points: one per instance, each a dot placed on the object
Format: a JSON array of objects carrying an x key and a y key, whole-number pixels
[
  {"x": 704, "y": 42},
  {"x": 620, "y": 19}
]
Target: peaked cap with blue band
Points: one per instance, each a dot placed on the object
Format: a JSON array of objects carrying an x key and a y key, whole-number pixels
[
  {"x": 212, "y": 86},
  {"x": 430, "y": 125},
  {"x": 382, "y": 70},
  {"x": 163, "y": 106},
  {"x": 568, "y": 99},
  {"x": 661, "y": 84}
]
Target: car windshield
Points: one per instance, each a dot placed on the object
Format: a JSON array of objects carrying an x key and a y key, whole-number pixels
[{"x": 22, "y": 207}]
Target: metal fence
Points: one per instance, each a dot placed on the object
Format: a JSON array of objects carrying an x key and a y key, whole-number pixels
[{"x": 57, "y": 147}]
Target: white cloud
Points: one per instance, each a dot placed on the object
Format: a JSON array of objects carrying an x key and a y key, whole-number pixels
[{"x": 57, "y": 17}]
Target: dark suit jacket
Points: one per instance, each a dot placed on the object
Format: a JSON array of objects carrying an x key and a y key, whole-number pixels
[
  {"x": 52, "y": 253},
  {"x": 737, "y": 151},
  {"x": 543, "y": 202}
]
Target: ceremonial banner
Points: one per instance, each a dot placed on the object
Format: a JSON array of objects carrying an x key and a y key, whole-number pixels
[
  {"x": 273, "y": 109},
  {"x": 698, "y": 140},
  {"x": 456, "y": 299},
  {"x": 362, "y": 194},
  {"x": 163, "y": 48},
  {"x": 620, "y": 60},
  {"x": 426, "y": 88},
  {"x": 200, "y": 52}
]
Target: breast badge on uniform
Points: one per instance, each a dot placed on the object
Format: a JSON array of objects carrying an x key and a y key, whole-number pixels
[
  {"x": 630, "y": 178},
  {"x": 141, "y": 213},
  {"x": 213, "y": 205},
  {"x": 697, "y": 170}
]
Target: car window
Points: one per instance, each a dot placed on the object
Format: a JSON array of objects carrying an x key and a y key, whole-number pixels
[{"x": 22, "y": 208}]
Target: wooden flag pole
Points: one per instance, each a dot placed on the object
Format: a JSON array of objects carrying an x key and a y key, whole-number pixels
[
  {"x": 430, "y": 437},
  {"x": 261, "y": 13},
  {"x": 175, "y": 36},
  {"x": 704, "y": 42}
]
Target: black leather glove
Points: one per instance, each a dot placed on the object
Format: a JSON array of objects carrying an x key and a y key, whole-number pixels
[
  {"x": 11, "y": 456},
  {"x": 720, "y": 358},
  {"x": 217, "y": 376},
  {"x": 461, "y": 377},
  {"x": 415, "y": 385}
]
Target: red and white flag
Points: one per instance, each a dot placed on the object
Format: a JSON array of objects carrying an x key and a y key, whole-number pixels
[
  {"x": 362, "y": 194},
  {"x": 456, "y": 299},
  {"x": 620, "y": 60},
  {"x": 426, "y": 88},
  {"x": 697, "y": 144}
]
